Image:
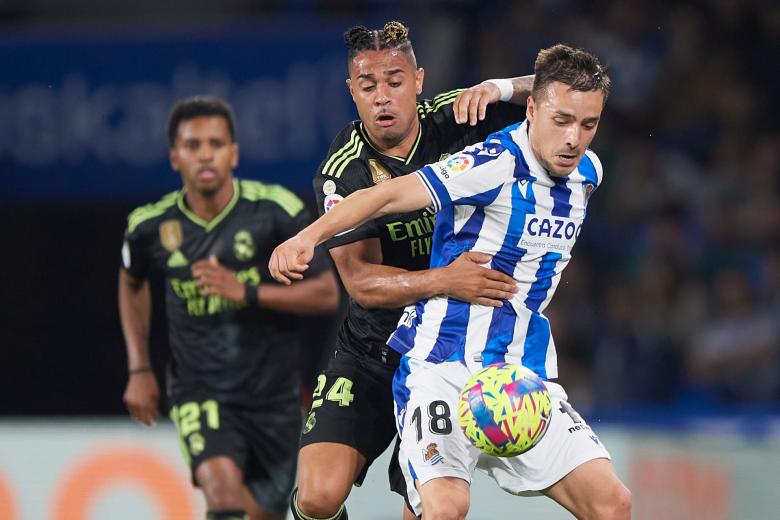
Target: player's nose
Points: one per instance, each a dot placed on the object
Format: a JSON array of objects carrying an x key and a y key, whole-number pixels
[
  {"x": 382, "y": 95},
  {"x": 573, "y": 136}
]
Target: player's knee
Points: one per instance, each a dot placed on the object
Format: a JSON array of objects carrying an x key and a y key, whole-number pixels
[
  {"x": 615, "y": 505},
  {"x": 454, "y": 509},
  {"x": 321, "y": 500},
  {"x": 621, "y": 504},
  {"x": 222, "y": 495}
]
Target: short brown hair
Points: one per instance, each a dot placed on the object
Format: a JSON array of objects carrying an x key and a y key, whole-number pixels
[{"x": 577, "y": 68}]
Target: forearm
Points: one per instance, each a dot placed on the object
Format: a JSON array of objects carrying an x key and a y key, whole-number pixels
[
  {"x": 387, "y": 287},
  {"x": 521, "y": 89},
  {"x": 399, "y": 195},
  {"x": 316, "y": 295},
  {"x": 135, "y": 306}
]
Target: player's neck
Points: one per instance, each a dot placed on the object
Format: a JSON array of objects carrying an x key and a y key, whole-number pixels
[
  {"x": 403, "y": 147},
  {"x": 209, "y": 206}
]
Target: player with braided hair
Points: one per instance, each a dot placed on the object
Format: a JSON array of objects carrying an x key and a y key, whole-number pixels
[{"x": 384, "y": 263}]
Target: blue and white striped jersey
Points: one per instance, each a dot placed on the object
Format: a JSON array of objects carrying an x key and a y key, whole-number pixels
[{"x": 495, "y": 198}]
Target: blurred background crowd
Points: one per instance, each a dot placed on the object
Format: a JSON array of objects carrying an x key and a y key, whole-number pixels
[{"x": 672, "y": 300}]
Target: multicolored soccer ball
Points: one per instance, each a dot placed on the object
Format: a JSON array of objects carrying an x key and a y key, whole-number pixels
[{"x": 504, "y": 409}]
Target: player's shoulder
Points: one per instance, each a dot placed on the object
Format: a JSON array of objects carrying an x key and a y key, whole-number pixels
[
  {"x": 590, "y": 167},
  {"x": 256, "y": 192},
  {"x": 150, "y": 213},
  {"x": 347, "y": 146},
  {"x": 347, "y": 157},
  {"x": 440, "y": 105}
]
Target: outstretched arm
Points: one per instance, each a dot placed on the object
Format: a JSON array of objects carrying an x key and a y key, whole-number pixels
[
  {"x": 471, "y": 104},
  {"x": 399, "y": 195}
]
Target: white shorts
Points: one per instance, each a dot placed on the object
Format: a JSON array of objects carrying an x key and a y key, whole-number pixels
[{"x": 433, "y": 445}]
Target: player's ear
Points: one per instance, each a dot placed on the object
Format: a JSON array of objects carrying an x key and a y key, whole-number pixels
[
  {"x": 419, "y": 77},
  {"x": 349, "y": 87},
  {"x": 234, "y": 155},
  {"x": 530, "y": 109},
  {"x": 173, "y": 158}
]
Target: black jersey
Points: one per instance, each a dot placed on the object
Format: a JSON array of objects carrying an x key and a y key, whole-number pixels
[
  {"x": 222, "y": 349},
  {"x": 353, "y": 164}
]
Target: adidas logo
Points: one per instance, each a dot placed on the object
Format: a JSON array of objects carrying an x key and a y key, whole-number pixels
[{"x": 177, "y": 260}]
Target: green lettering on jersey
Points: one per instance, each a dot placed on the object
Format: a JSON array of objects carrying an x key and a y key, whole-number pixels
[
  {"x": 198, "y": 305},
  {"x": 417, "y": 231}
]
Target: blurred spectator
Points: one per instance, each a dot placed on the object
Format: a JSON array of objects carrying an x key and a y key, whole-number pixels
[{"x": 735, "y": 352}]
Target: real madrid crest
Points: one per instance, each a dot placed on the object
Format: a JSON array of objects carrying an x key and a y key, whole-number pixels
[
  {"x": 378, "y": 172},
  {"x": 171, "y": 235},
  {"x": 243, "y": 246}
]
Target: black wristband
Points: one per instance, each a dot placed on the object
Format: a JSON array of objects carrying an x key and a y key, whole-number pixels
[
  {"x": 250, "y": 295},
  {"x": 139, "y": 370}
]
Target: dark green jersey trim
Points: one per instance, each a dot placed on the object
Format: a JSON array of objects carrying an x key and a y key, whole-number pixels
[
  {"x": 211, "y": 224},
  {"x": 287, "y": 200},
  {"x": 149, "y": 211}
]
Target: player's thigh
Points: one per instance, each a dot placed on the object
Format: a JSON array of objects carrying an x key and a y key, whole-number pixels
[
  {"x": 432, "y": 446},
  {"x": 567, "y": 444},
  {"x": 592, "y": 490},
  {"x": 271, "y": 433},
  {"x": 351, "y": 412},
  {"x": 207, "y": 429}
]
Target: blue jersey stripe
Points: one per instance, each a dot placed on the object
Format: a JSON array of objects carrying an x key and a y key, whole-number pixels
[
  {"x": 537, "y": 340},
  {"x": 446, "y": 246},
  {"x": 441, "y": 192},
  {"x": 561, "y": 194},
  {"x": 479, "y": 200},
  {"x": 500, "y": 334},
  {"x": 403, "y": 338},
  {"x": 544, "y": 275},
  {"x": 452, "y": 332},
  {"x": 431, "y": 192},
  {"x": 588, "y": 170},
  {"x": 401, "y": 391}
]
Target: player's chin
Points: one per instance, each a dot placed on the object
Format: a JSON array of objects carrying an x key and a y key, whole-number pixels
[{"x": 561, "y": 165}]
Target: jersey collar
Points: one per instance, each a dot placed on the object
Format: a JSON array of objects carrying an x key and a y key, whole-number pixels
[
  {"x": 208, "y": 225},
  {"x": 405, "y": 160}
]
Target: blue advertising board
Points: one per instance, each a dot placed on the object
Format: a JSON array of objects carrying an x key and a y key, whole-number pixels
[{"x": 84, "y": 113}]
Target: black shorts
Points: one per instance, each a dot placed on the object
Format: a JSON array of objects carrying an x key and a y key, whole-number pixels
[
  {"x": 263, "y": 443},
  {"x": 352, "y": 404}
]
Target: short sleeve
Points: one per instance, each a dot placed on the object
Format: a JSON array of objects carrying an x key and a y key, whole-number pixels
[
  {"x": 135, "y": 254},
  {"x": 473, "y": 176},
  {"x": 329, "y": 190}
]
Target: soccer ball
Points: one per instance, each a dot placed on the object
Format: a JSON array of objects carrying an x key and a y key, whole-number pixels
[{"x": 504, "y": 409}]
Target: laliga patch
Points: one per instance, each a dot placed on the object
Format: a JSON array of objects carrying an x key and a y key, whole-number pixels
[
  {"x": 550, "y": 234},
  {"x": 455, "y": 165},
  {"x": 331, "y": 201},
  {"x": 329, "y": 187},
  {"x": 460, "y": 163}
]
